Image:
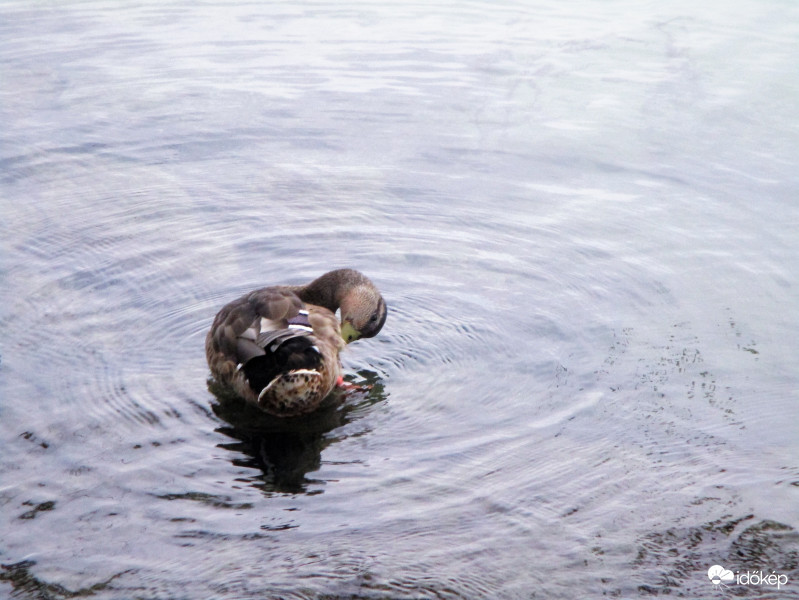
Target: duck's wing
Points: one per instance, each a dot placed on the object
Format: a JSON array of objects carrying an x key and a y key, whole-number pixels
[
  {"x": 278, "y": 303},
  {"x": 244, "y": 319}
]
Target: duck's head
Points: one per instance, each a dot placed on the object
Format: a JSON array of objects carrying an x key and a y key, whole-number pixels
[
  {"x": 363, "y": 310},
  {"x": 363, "y": 313}
]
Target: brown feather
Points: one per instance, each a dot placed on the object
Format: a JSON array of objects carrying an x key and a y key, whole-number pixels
[{"x": 299, "y": 391}]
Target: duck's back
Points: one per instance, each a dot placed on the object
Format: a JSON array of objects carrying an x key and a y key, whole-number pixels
[{"x": 275, "y": 351}]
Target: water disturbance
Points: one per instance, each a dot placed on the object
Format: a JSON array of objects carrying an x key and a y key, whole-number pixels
[{"x": 583, "y": 219}]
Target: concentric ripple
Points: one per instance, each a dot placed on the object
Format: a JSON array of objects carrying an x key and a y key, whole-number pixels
[{"x": 579, "y": 215}]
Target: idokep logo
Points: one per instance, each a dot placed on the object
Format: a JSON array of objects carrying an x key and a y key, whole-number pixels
[{"x": 720, "y": 576}]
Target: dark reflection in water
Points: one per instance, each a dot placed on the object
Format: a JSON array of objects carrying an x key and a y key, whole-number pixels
[
  {"x": 287, "y": 450},
  {"x": 666, "y": 559},
  {"x": 27, "y": 585}
]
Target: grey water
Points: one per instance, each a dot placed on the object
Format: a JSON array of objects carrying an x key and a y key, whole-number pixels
[{"x": 583, "y": 217}]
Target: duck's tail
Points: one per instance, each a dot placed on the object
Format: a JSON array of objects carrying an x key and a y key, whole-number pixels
[{"x": 274, "y": 353}]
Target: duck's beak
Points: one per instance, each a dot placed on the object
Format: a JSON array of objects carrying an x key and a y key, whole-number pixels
[{"x": 348, "y": 332}]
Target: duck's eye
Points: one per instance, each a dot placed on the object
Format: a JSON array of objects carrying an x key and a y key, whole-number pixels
[{"x": 373, "y": 318}]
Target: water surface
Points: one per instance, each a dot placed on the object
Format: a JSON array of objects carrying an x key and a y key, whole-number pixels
[{"x": 583, "y": 218}]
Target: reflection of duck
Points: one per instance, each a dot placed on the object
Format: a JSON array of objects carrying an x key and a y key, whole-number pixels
[
  {"x": 278, "y": 347},
  {"x": 285, "y": 450}
]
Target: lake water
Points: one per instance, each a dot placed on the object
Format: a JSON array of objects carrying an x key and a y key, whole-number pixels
[{"x": 583, "y": 217}]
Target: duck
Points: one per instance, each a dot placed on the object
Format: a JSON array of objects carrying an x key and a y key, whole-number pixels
[{"x": 278, "y": 347}]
